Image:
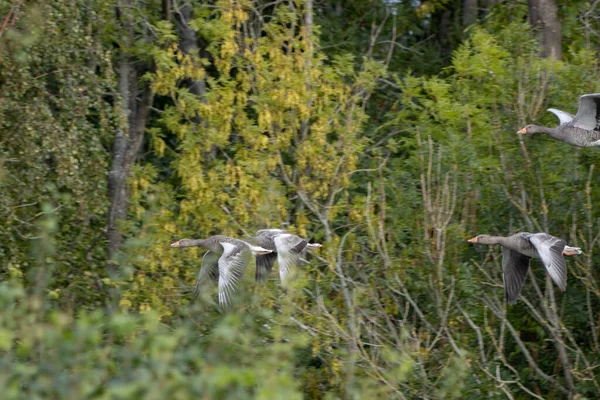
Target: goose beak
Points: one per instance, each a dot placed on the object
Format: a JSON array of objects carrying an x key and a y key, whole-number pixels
[
  {"x": 472, "y": 240},
  {"x": 522, "y": 131},
  {"x": 175, "y": 244}
]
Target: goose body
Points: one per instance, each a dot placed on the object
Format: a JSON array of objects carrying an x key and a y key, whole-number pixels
[
  {"x": 582, "y": 130},
  {"x": 519, "y": 249},
  {"x": 286, "y": 250},
  {"x": 224, "y": 262}
]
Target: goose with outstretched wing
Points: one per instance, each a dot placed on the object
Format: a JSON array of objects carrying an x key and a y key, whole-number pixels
[
  {"x": 582, "y": 130},
  {"x": 287, "y": 249},
  {"x": 224, "y": 263},
  {"x": 519, "y": 249}
]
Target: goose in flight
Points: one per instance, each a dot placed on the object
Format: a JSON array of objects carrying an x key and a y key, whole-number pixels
[
  {"x": 582, "y": 130},
  {"x": 286, "y": 249},
  {"x": 519, "y": 249},
  {"x": 224, "y": 262}
]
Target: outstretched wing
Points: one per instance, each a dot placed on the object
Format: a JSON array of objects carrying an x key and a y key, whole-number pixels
[
  {"x": 515, "y": 266},
  {"x": 265, "y": 262},
  {"x": 264, "y": 265},
  {"x": 563, "y": 116},
  {"x": 232, "y": 263},
  {"x": 270, "y": 232},
  {"x": 209, "y": 270},
  {"x": 588, "y": 115},
  {"x": 550, "y": 249},
  {"x": 289, "y": 247}
]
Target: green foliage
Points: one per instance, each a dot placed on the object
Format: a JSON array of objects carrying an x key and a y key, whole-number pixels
[
  {"x": 365, "y": 131},
  {"x": 102, "y": 355},
  {"x": 56, "y": 124}
]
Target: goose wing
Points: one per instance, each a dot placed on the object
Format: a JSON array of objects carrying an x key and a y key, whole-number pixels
[
  {"x": 265, "y": 262},
  {"x": 264, "y": 265},
  {"x": 232, "y": 263},
  {"x": 588, "y": 115},
  {"x": 209, "y": 270},
  {"x": 515, "y": 266},
  {"x": 563, "y": 116},
  {"x": 550, "y": 249},
  {"x": 270, "y": 232},
  {"x": 289, "y": 247}
]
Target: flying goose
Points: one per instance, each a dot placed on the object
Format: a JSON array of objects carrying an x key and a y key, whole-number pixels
[
  {"x": 224, "y": 262},
  {"x": 286, "y": 249},
  {"x": 519, "y": 249},
  {"x": 582, "y": 130}
]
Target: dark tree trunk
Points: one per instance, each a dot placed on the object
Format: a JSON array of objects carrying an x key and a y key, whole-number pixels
[
  {"x": 188, "y": 43},
  {"x": 338, "y": 9},
  {"x": 543, "y": 14},
  {"x": 444, "y": 28},
  {"x": 469, "y": 12},
  {"x": 129, "y": 138},
  {"x": 487, "y": 5}
]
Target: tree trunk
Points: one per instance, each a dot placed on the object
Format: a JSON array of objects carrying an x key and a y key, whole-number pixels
[
  {"x": 487, "y": 5},
  {"x": 469, "y": 12},
  {"x": 129, "y": 138},
  {"x": 543, "y": 14},
  {"x": 444, "y": 31},
  {"x": 338, "y": 9},
  {"x": 188, "y": 43}
]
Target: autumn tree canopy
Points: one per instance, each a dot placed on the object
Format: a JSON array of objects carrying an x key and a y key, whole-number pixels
[{"x": 385, "y": 130}]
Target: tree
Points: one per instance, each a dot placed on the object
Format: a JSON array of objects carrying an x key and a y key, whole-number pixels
[
  {"x": 134, "y": 113},
  {"x": 57, "y": 122},
  {"x": 383, "y": 129},
  {"x": 543, "y": 14}
]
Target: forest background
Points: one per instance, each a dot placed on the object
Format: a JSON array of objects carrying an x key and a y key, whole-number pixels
[{"x": 384, "y": 129}]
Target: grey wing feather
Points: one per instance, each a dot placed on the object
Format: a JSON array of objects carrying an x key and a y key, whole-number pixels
[
  {"x": 563, "y": 116},
  {"x": 209, "y": 269},
  {"x": 265, "y": 262},
  {"x": 289, "y": 248},
  {"x": 550, "y": 249},
  {"x": 588, "y": 115},
  {"x": 232, "y": 263},
  {"x": 270, "y": 232},
  {"x": 264, "y": 265},
  {"x": 515, "y": 266}
]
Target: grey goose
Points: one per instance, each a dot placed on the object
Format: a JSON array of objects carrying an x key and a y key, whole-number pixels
[
  {"x": 582, "y": 130},
  {"x": 519, "y": 249},
  {"x": 224, "y": 262},
  {"x": 286, "y": 250}
]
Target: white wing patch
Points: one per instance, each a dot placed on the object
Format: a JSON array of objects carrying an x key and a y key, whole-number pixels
[
  {"x": 227, "y": 248},
  {"x": 587, "y": 117},
  {"x": 209, "y": 269},
  {"x": 550, "y": 249},
  {"x": 232, "y": 264},
  {"x": 288, "y": 255},
  {"x": 563, "y": 116}
]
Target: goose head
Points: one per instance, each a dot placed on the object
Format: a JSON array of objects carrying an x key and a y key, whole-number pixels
[
  {"x": 482, "y": 239},
  {"x": 531, "y": 129},
  {"x": 183, "y": 243}
]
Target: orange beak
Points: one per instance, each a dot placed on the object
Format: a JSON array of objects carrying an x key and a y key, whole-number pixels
[
  {"x": 472, "y": 240},
  {"x": 522, "y": 131},
  {"x": 176, "y": 244}
]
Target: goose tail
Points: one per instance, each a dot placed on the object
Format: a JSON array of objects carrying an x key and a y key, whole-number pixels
[{"x": 571, "y": 251}]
